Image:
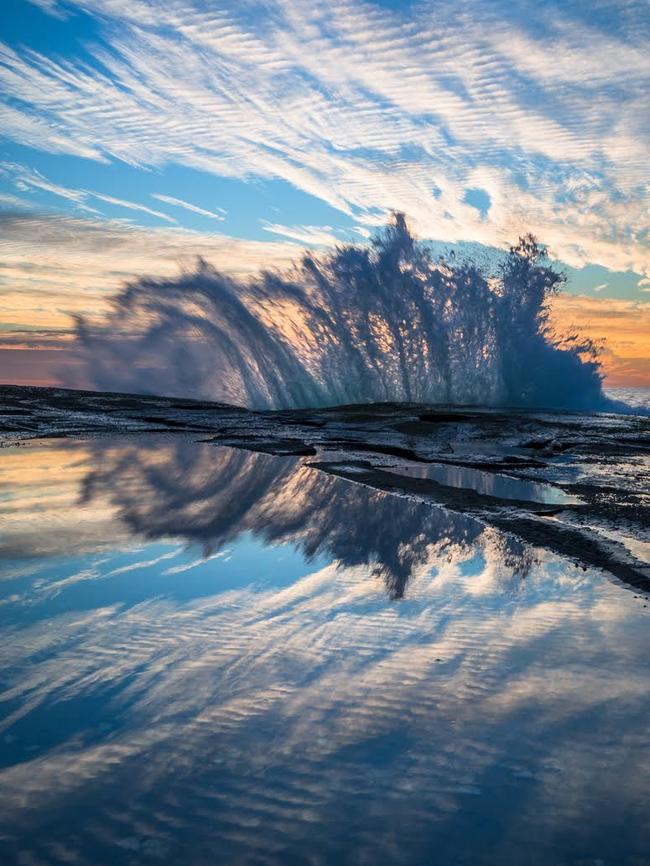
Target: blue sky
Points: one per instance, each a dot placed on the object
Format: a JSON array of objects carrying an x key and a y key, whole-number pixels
[{"x": 245, "y": 130}]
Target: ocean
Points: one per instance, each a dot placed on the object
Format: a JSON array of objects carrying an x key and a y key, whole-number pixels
[{"x": 638, "y": 398}]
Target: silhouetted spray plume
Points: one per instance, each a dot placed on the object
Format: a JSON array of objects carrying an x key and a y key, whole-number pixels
[{"x": 384, "y": 322}]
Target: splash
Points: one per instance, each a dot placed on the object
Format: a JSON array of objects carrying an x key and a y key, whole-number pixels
[{"x": 383, "y": 322}]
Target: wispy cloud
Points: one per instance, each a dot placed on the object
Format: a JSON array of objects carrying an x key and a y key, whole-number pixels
[
  {"x": 28, "y": 179},
  {"x": 177, "y": 202},
  {"x": 120, "y": 202},
  {"x": 369, "y": 109},
  {"x": 55, "y": 266},
  {"x": 52, "y": 7},
  {"x": 14, "y": 201},
  {"x": 306, "y": 235}
]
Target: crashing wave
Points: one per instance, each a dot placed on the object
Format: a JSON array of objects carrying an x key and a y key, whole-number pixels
[{"x": 384, "y": 322}]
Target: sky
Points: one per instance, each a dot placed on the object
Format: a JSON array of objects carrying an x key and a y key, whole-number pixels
[{"x": 138, "y": 134}]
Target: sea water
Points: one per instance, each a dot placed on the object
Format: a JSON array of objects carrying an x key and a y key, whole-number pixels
[{"x": 212, "y": 656}]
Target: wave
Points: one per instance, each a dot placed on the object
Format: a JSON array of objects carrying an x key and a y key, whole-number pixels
[{"x": 388, "y": 321}]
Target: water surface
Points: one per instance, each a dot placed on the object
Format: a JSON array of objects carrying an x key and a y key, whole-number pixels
[
  {"x": 494, "y": 484},
  {"x": 214, "y": 656}
]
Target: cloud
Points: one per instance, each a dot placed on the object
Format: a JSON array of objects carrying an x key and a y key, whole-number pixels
[
  {"x": 14, "y": 201},
  {"x": 307, "y": 235},
  {"x": 369, "y": 109},
  {"x": 28, "y": 129},
  {"x": 28, "y": 179},
  {"x": 120, "y": 202},
  {"x": 54, "y": 266},
  {"x": 52, "y": 7},
  {"x": 177, "y": 202}
]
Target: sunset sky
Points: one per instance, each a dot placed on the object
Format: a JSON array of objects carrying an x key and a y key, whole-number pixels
[{"x": 138, "y": 134}]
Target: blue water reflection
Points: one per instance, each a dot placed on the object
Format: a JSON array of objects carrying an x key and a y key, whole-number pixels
[{"x": 212, "y": 656}]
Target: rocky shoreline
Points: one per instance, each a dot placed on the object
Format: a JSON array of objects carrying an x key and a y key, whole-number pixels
[{"x": 577, "y": 484}]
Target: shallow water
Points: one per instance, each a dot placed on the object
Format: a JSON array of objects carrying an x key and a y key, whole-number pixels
[
  {"x": 493, "y": 484},
  {"x": 213, "y": 656}
]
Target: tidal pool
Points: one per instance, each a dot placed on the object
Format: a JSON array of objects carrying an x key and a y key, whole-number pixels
[
  {"x": 494, "y": 484},
  {"x": 213, "y": 656}
]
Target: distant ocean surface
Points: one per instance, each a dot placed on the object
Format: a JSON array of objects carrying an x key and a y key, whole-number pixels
[{"x": 639, "y": 398}]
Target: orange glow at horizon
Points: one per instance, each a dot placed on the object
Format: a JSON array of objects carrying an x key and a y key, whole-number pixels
[{"x": 623, "y": 327}]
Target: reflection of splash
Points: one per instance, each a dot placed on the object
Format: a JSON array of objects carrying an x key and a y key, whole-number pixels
[
  {"x": 387, "y": 322},
  {"x": 260, "y": 724},
  {"x": 212, "y": 495}
]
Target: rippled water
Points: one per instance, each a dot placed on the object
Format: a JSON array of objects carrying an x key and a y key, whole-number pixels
[{"x": 209, "y": 656}]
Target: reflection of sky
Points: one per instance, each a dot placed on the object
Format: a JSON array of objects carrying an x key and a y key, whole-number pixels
[
  {"x": 246, "y": 703},
  {"x": 490, "y": 483}
]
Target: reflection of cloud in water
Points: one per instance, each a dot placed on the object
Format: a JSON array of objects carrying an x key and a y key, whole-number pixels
[
  {"x": 40, "y": 511},
  {"x": 483, "y": 715}
]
